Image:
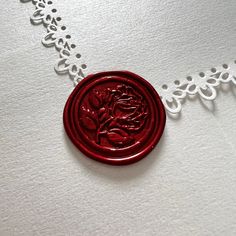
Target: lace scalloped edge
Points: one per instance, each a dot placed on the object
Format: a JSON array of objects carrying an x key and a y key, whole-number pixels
[{"x": 203, "y": 84}]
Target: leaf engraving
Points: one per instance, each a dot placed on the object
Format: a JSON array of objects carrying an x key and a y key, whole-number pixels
[
  {"x": 95, "y": 99},
  {"x": 88, "y": 123},
  {"x": 119, "y": 137}
]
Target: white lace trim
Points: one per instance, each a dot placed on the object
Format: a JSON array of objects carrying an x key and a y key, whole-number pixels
[{"x": 69, "y": 62}]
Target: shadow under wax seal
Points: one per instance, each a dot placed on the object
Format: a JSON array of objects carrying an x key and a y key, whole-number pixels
[{"x": 114, "y": 117}]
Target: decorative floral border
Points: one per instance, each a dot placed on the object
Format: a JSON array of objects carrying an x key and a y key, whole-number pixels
[
  {"x": 57, "y": 36},
  {"x": 69, "y": 62}
]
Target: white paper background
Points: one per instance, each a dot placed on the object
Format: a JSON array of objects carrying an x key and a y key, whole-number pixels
[
  {"x": 160, "y": 40},
  {"x": 186, "y": 186}
]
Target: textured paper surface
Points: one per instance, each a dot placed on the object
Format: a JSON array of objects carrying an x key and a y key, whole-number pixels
[
  {"x": 160, "y": 40},
  {"x": 186, "y": 186}
]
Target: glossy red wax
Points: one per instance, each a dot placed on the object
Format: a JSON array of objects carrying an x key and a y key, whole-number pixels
[{"x": 114, "y": 117}]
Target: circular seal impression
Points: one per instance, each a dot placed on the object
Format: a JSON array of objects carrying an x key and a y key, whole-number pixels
[{"x": 114, "y": 117}]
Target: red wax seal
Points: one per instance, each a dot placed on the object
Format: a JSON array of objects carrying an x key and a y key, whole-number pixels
[{"x": 114, "y": 117}]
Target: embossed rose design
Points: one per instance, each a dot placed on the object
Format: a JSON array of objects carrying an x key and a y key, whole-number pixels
[
  {"x": 115, "y": 114},
  {"x": 115, "y": 117}
]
